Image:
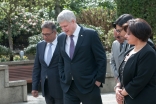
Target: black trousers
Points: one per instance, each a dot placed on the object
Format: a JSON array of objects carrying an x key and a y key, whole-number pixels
[
  {"x": 74, "y": 96},
  {"x": 48, "y": 98}
]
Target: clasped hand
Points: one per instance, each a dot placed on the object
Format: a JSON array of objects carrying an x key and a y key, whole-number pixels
[{"x": 119, "y": 97}]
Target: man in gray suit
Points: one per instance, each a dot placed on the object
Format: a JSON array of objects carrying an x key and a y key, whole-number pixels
[
  {"x": 46, "y": 66},
  {"x": 119, "y": 46}
]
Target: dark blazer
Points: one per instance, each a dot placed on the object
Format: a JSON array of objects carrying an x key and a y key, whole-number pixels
[
  {"x": 88, "y": 63},
  {"x": 41, "y": 69},
  {"x": 139, "y": 77}
]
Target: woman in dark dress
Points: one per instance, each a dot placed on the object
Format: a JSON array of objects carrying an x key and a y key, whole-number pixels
[{"x": 137, "y": 72}]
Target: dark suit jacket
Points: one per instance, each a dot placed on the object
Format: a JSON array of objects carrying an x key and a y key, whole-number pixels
[
  {"x": 139, "y": 77},
  {"x": 41, "y": 69},
  {"x": 88, "y": 63}
]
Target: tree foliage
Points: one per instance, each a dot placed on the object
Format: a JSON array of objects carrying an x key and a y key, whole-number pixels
[
  {"x": 104, "y": 17},
  {"x": 140, "y": 9},
  {"x": 33, "y": 40},
  {"x": 15, "y": 18},
  {"x": 20, "y": 17}
]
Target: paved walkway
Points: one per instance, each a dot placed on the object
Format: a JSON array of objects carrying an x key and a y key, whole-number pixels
[{"x": 107, "y": 98}]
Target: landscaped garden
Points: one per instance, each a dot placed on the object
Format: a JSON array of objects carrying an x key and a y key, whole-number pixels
[{"x": 20, "y": 21}]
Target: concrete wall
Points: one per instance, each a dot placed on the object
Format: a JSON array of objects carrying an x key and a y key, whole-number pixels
[
  {"x": 11, "y": 91},
  {"x": 109, "y": 80}
]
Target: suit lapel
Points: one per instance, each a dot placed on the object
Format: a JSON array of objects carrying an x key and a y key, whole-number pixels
[
  {"x": 124, "y": 49},
  {"x": 64, "y": 47},
  {"x": 43, "y": 50},
  {"x": 55, "y": 54},
  {"x": 79, "y": 41}
]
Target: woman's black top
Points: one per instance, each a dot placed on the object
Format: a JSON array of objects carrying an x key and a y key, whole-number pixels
[{"x": 121, "y": 72}]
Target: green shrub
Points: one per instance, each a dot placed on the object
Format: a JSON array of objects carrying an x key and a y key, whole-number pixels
[
  {"x": 33, "y": 40},
  {"x": 98, "y": 17},
  {"x": 18, "y": 58},
  {"x": 4, "y": 50},
  {"x": 140, "y": 9},
  {"x": 4, "y": 58},
  {"x": 106, "y": 38},
  {"x": 110, "y": 39}
]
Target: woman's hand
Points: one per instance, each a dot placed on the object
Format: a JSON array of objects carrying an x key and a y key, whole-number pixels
[{"x": 119, "y": 97}]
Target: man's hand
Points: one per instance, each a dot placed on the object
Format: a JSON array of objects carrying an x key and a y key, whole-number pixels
[
  {"x": 34, "y": 93},
  {"x": 98, "y": 83},
  {"x": 119, "y": 97}
]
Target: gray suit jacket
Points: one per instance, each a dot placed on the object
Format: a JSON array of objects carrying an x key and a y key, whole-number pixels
[{"x": 117, "y": 56}]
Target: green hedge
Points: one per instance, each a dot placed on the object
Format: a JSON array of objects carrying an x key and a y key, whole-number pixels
[
  {"x": 139, "y": 8},
  {"x": 98, "y": 17}
]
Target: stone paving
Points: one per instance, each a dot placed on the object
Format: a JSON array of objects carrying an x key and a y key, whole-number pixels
[{"x": 107, "y": 98}]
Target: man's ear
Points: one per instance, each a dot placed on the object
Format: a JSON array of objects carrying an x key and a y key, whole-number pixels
[{"x": 73, "y": 21}]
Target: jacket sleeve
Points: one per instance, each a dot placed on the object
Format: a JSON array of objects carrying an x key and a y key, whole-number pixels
[
  {"x": 36, "y": 72},
  {"x": 100, "y": 57},
  {"x": 113, "y": 64},
  {"x": 61, "y": 62},
  {"x": 146, "y": 67}
]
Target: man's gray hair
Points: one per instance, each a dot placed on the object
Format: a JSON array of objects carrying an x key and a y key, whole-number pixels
[{"x": 66, "y": 15}]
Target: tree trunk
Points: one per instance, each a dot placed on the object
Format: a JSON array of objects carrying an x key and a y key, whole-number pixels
[
  {"x": 57, "y": 8},
  {"x": 10, "y": 39}
]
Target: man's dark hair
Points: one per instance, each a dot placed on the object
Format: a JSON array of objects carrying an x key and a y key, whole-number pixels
[
  {"x": 49, "y": 25},
  {"x": 122, "y": 20}
]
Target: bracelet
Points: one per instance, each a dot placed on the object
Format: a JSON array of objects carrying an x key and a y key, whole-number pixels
[{"x": 116, "y": 87}]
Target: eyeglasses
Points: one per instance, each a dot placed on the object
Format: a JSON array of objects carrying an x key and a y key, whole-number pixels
[
  {"x": 47, "y": 34},
  {"x": 118, "y": 30}
]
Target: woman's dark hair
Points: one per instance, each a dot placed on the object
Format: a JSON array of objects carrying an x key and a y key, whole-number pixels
[
  {"x": 139, "y": 28},
  {"x": 122, "y": 20}
]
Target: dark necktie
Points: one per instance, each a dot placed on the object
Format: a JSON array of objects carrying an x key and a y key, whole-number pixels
[
  {"x": 49, "y": 54},
  {"x": 121, "y": 46},
  {"x": 72, "y": 47}
]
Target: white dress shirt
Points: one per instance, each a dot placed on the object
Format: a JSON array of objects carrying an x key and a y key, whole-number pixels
[
  {"x": 53, "y": 46},
  {"x": 75, "y": 38}
]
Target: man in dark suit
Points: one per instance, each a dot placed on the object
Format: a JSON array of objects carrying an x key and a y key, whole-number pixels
[
  {"x": 82, "y": 64},
  {"x": 46, "y": 66}
]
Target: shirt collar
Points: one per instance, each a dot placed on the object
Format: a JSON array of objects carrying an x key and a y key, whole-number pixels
[
  {"x": 54, "y": 42},
  {"x": 76, "y": 32}
]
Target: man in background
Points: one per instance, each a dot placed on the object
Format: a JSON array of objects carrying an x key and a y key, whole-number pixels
[
  {"x": 46, "y": 66},
  {"x": 119, "y": 46}
]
